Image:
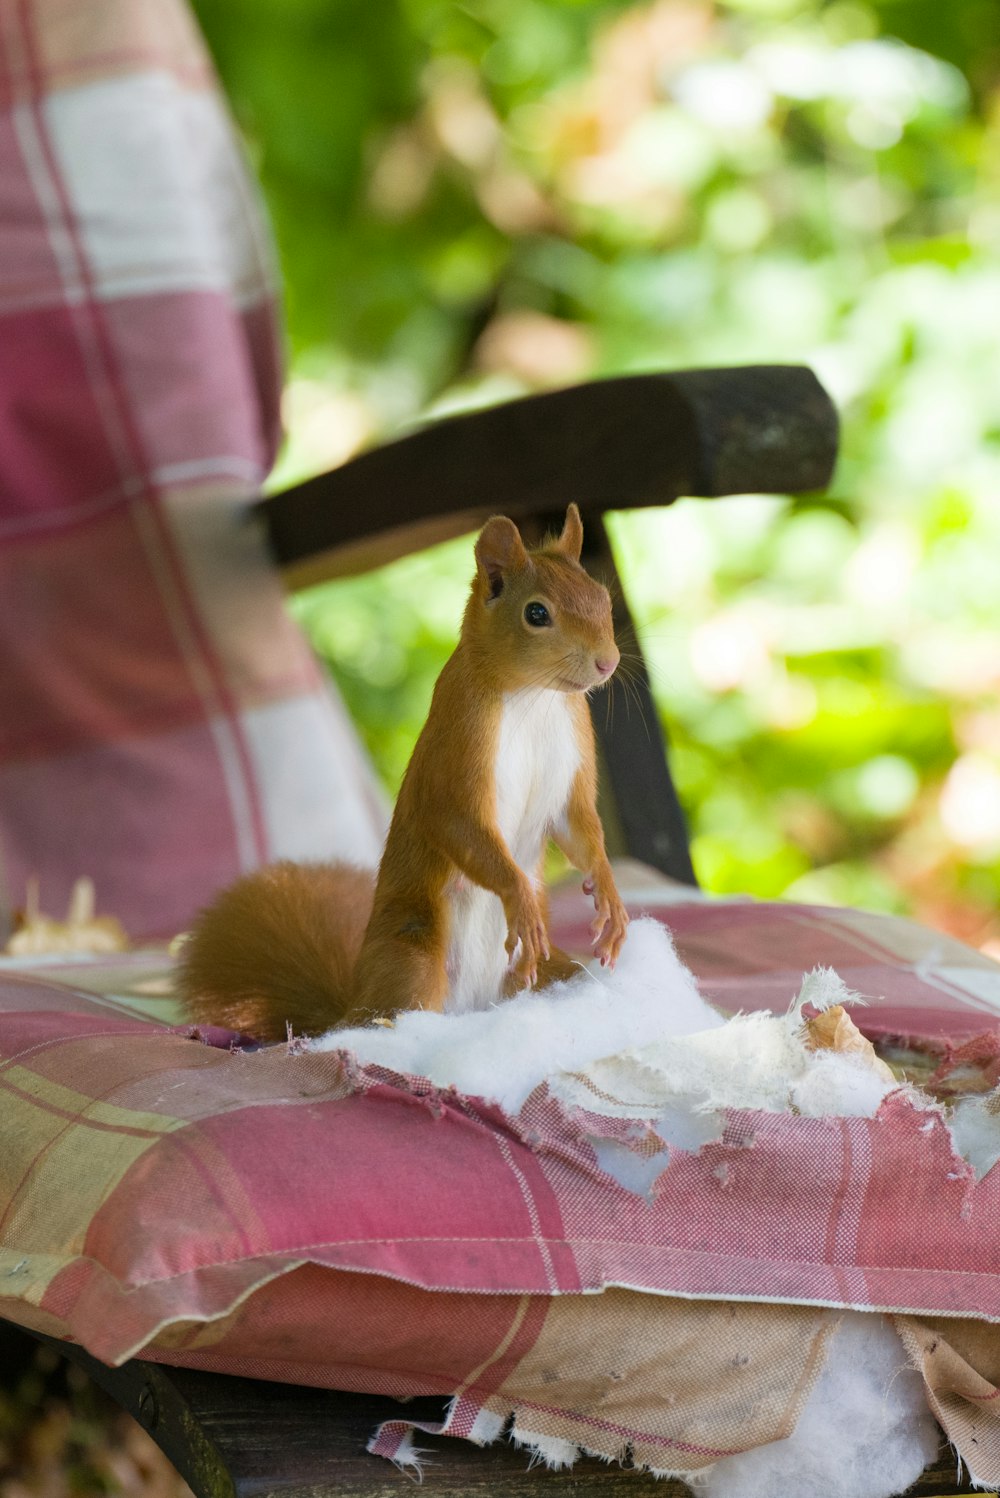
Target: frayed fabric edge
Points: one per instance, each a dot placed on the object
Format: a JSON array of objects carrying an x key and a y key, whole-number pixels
[
  {"x": 395, "y": 1441},
  {"x": 557, "y": 1455}
]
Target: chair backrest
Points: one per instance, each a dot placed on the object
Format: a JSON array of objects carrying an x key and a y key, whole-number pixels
[{"x": 163, "y": 726}]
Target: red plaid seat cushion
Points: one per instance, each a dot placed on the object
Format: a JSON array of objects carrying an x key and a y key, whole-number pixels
[{"x": 296, "y": 1216}]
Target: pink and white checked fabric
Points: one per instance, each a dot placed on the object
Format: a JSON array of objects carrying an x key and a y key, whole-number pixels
[
  {"x": 244, "y": 1166},
  {"x": 163, "y": 726}
]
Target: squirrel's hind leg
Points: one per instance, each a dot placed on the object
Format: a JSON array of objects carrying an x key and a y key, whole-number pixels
[{"x": 555, "y": 968}]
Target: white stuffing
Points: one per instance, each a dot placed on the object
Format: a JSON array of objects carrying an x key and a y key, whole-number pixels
[
  {"x": 865, "y": 1430},
  {"x": 646, "y": 1015},
  {"x": 841, "y": 1084},
  {"x": 754, "y": 1061},
  {"x": 644, "y": 1034},
  {"x": 975, "y": 1132},
  {"x": 750, "y": 1061},
  {"x": 505, "y": 1051},
  {"x": 637, "y": 1173}
]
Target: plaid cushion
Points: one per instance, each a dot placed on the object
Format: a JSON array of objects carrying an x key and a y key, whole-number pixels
[
  {"x": 163, "y": 725},
  {"x": 117, "y": 1120},
  {"x": 295, "y": 1216}
]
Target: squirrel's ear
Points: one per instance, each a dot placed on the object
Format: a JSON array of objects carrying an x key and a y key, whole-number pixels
[
  {"x": 571, "y": 540},
  {"x": 499, "y": 549}
]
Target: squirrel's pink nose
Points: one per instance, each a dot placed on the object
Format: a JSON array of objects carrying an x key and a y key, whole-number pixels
[{"x": 607, "y": 664}]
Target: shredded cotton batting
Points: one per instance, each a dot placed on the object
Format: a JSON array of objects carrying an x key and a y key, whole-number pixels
[
  {"x": 646, "y": 1017},
  {"x": 505, "y": 1052},
  {"x": 643, "y": 1032}
]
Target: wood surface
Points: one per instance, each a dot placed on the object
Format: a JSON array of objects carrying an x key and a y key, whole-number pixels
[{"x": 240, "y": 1438}]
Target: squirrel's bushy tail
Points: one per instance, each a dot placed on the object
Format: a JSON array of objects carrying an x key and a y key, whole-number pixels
[{"x": 277, "y": 949}]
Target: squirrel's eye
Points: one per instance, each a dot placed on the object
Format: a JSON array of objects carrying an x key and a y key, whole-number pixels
[{"x": 537, "y": 615}]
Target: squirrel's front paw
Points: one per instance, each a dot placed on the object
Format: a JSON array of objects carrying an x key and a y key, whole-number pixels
[
  {"x": 527, "y": 939},
  {"x": 609, "y": 926}
]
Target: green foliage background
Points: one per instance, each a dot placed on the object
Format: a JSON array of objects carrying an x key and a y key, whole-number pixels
[{"x": 473, "y": 200}]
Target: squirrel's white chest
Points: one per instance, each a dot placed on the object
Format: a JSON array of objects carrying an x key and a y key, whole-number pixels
[
  {"x": 537, "y": 757},
  {"x": 536, "y": 762}
]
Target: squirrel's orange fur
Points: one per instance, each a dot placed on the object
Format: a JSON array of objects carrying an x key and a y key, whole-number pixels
[
  {"x": 274, "y": 947},
  {"x": 507, "y": 743}
]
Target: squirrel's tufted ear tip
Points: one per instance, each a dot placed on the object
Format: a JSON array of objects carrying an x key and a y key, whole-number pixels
[{"x": 571, "y": 540}]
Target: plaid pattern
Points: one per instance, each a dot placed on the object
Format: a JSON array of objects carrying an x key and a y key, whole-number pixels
[
  {"x": 164, "y": 726},
  {"x": 434, "y": 1239}
]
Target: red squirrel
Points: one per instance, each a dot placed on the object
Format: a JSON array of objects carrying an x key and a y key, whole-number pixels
[{"x": 505, "y": 761}]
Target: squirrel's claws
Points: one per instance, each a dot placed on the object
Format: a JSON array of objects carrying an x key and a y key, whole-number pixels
[
  {"x": 611, "y": 921},
  {"x": 600, "y": 924},
  {"x": 613, "y": 937},
  {"x": 527, "y": 940}
]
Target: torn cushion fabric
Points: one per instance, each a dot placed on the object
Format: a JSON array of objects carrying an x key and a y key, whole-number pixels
[
  {"x": 293, "y": 1214},
  {"x": 110, "y": 1122},
  {"x": 164, "y": 726}
]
